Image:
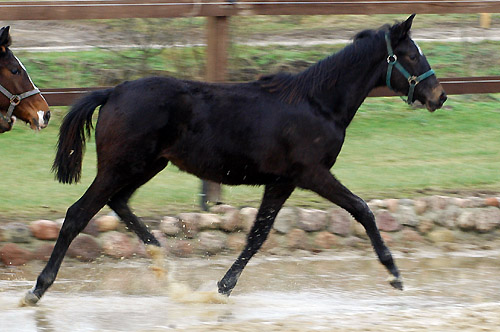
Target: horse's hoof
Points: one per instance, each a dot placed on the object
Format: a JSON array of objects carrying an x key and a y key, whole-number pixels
[
  {"x": 223, "y": 290},
  {"x": 29, "y": 300},
  {"x": 396, "y": 282}
]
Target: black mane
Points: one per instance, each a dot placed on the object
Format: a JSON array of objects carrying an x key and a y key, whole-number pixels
[{"x": 294, "y": 88}]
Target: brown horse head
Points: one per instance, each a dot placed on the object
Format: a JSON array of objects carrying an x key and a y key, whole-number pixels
[{"x": 19, "y": 97}]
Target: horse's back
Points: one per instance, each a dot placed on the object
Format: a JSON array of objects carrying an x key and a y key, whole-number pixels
[{"x": 141, "y": 107}]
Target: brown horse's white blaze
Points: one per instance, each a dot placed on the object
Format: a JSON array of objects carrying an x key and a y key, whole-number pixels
[{"x": 19, "y": 97}]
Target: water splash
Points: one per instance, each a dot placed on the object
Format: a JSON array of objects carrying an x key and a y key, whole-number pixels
[{"x": 177, "y": 291}]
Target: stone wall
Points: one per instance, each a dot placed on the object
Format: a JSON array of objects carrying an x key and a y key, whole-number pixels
[{"x": 404, "y": 224}]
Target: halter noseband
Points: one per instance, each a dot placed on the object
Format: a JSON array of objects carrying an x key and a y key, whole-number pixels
[
  {"x": 413, "y": 80},
  {"x": 14, "y": 101}
]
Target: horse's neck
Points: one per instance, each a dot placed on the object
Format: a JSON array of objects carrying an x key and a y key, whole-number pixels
[{"x": 353, "y": 85}]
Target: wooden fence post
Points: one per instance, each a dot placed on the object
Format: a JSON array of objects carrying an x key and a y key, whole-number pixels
[
  {"x": 485, "y": 20},
  {"x": 217, "y": 41}
]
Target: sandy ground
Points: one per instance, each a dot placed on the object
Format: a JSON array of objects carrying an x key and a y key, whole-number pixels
[{"x": 62, "y": 35}]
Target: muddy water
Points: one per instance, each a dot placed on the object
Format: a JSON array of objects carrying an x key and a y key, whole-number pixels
[{"x": 326, "y": 292}]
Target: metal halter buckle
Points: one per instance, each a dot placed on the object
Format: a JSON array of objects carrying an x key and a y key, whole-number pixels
[
  {"x": 413, "y": 80},
  {"x": 393, "y": 60},
  {"x": 15, "y": 100}
]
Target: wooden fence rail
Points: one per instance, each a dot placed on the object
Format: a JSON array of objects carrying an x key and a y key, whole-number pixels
[
  {"x": 452, "y": 86},
  {"x": 78, "y": 9}
]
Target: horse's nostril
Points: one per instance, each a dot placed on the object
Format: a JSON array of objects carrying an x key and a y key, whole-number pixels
[
  {"x": 443, "y": 98},
  {"x": 46, "y": 117}
]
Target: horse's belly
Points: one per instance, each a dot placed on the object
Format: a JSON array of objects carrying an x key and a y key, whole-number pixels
[{"x": 231, "y": 171}]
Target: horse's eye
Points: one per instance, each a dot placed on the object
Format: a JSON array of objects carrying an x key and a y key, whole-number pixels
[
  {"x": 15, "y": 71},
  {"x": 413, "y": 57}
]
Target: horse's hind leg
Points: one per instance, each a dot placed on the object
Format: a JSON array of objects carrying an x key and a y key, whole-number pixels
[
  {"x": 119, "y": 204},
  {"x": 275, "y": 196},
  {"x": 77, "y": 217},
  {"x": 326, "y": 185}
]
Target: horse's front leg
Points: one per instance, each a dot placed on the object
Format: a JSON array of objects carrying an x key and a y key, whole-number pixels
[
  {"x": 72, "y": 226},
  {"x": 77, "y": 217},
  {"x": 275, "y": 196},
  {"x": 326, "y": 185}
]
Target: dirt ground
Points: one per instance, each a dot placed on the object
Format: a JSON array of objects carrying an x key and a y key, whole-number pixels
[
  {"x": 331, "y": 291},
  {"x": 63, "y": 35}
]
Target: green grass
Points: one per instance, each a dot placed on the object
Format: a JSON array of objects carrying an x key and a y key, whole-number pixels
[{"x": 391, "y": 150}]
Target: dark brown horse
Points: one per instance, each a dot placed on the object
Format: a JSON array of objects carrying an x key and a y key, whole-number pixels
[
  {"x": 19, "y": 97},
  {"x": 282, "y": 131}
]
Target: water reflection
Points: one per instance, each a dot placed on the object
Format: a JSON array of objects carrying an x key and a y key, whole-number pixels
[
  {"x": 42, "y": 320},
  {"x": 305, "y": 293}
]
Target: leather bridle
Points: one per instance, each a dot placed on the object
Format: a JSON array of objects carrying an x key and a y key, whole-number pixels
[{"x": 14, "y": 101}]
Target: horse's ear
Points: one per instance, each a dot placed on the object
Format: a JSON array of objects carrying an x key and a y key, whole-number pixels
[
  {"x": 5, "y": 39},
  {"x": 401, "y": 30}
]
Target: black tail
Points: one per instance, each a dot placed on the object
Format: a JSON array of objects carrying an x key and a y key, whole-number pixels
[{"x": 74, "y": 129}]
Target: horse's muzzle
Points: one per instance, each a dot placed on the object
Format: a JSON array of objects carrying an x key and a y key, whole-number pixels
[
  {"x": 437, "y": 100},
  {"x": 7, "y": 126},
  {"x": 46, "y": 118},
  {"x": 42, "y": 121}
]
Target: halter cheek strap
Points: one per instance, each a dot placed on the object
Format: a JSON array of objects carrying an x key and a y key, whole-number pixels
[
  {"x": 413, "y": 80},
  {"x": 14, "y": 101}
]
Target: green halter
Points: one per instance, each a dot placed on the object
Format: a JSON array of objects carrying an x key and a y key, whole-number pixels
[{"x": 413, "y": 80}]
